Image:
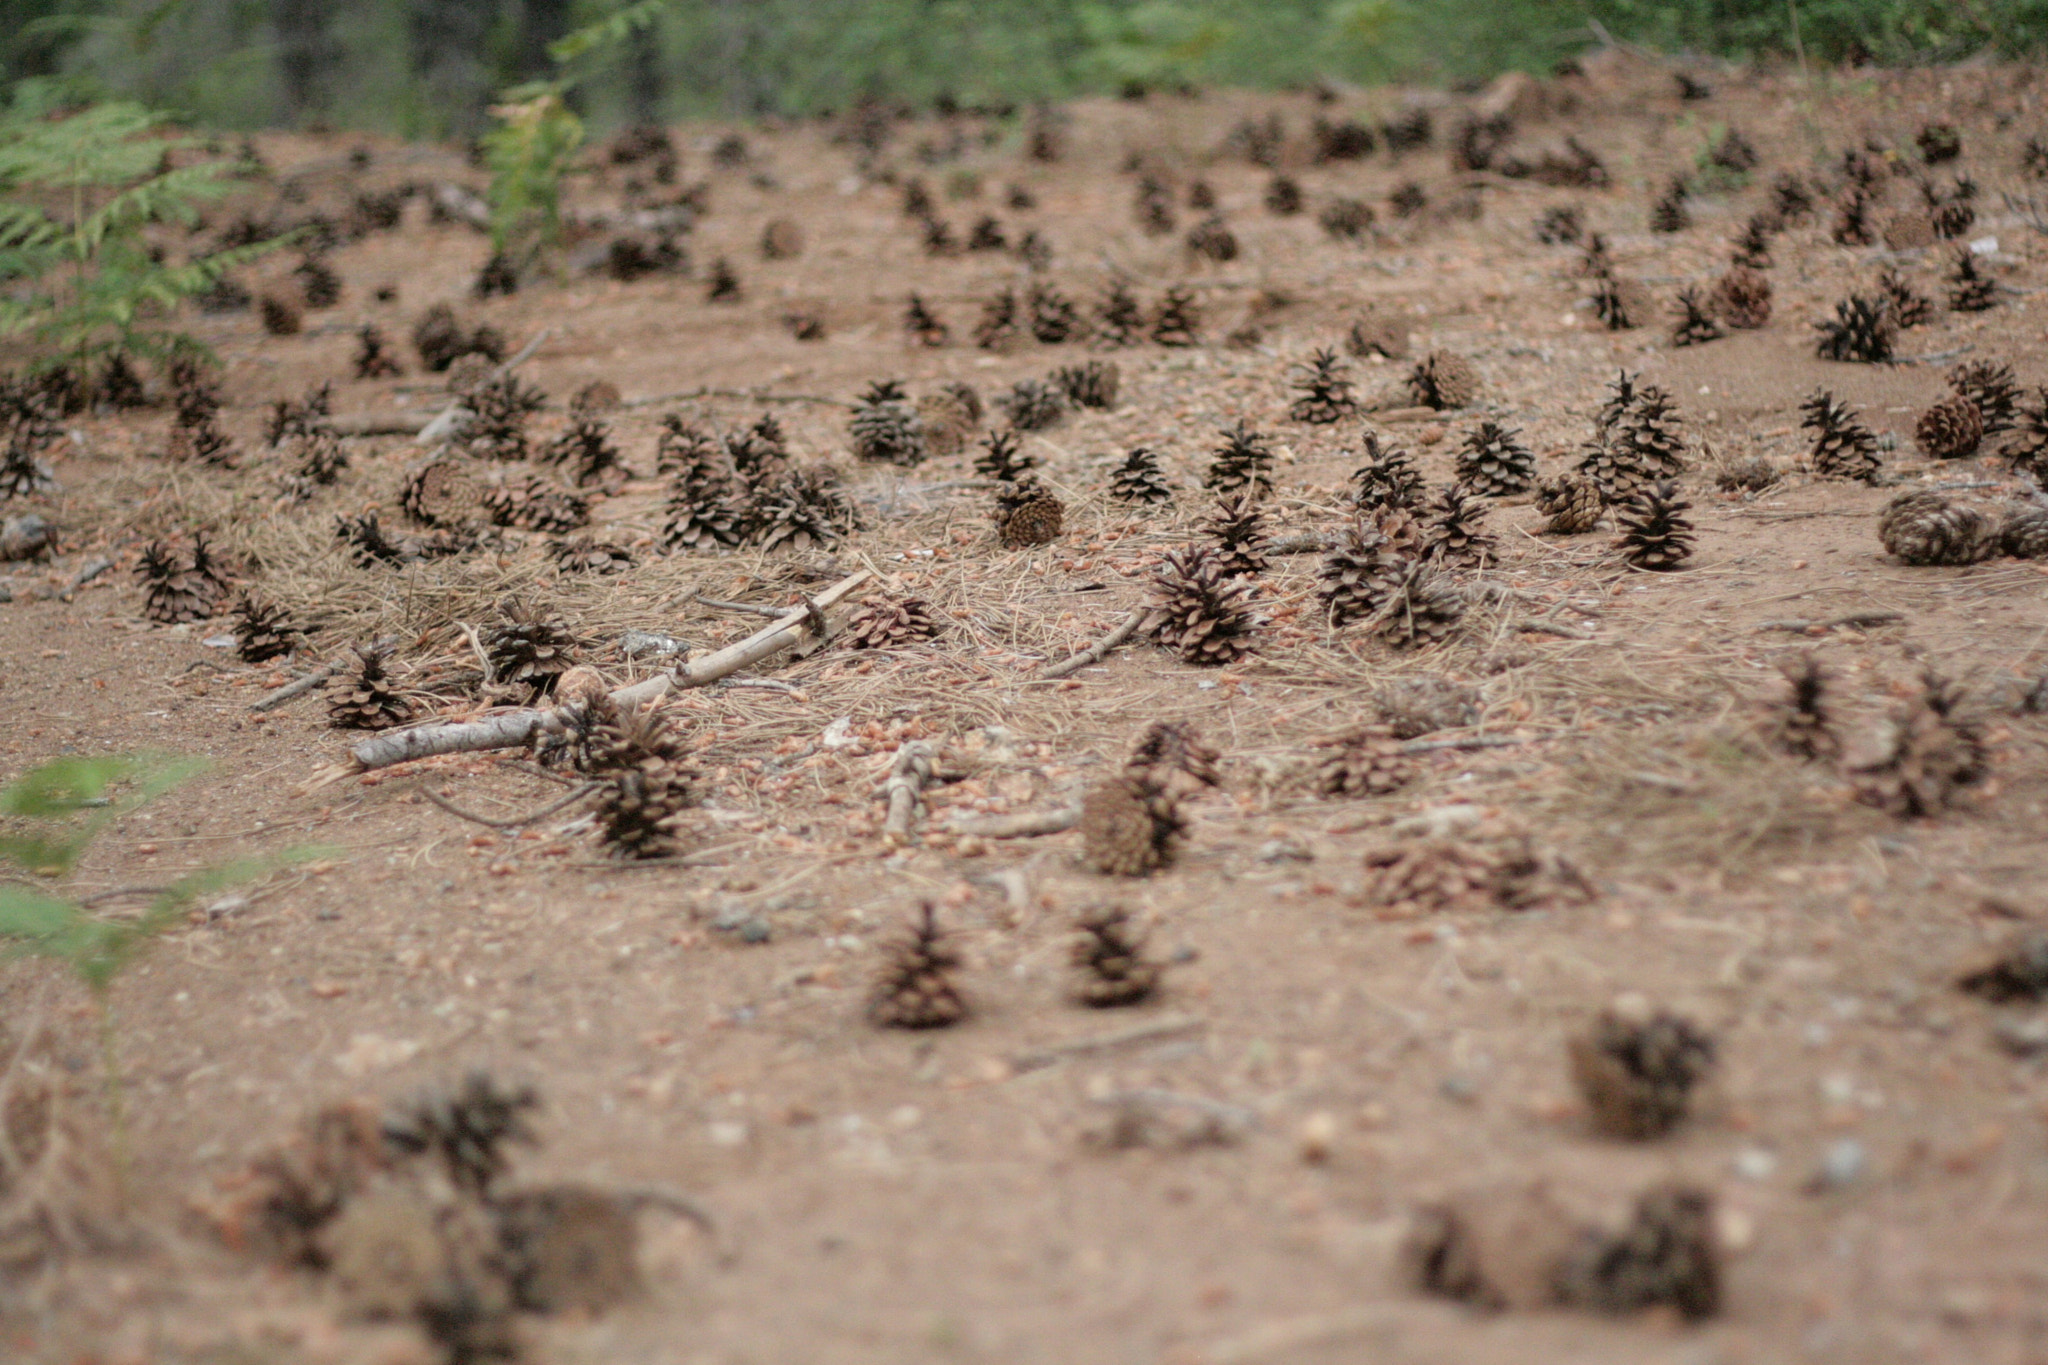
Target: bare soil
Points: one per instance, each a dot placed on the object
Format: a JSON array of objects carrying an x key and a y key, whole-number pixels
[{"x": 889, "y": 1196}]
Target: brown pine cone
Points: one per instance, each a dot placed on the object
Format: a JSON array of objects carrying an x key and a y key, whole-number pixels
[
  {"x": 884, "y": 623},
  {"x": 1924, "y": 528},
  {"x": 2025, "y": 534},
  {"x": 1130, "y": 826},
  {"x": 1572, "y": 502},
  {"x": 1951, "y": 429},
  {"x": 1363, "y": 762},
  {"x": 1742, "y": 298}
]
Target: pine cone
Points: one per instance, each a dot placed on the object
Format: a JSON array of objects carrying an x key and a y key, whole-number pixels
[
  {"x": 1992, "y": 387},
  {"x": 1364, "y": 761},
  {"x": 1326, "y": 394},
  {"x": 1032, "y": 406},
  {"x": 1387, "y": 478},
  {"x": 1054, "y": 319},
  {"x": 172, "y": 593},
  {"x": 1426, "y": 876},
  {"x": 1655, "y": 533},
  {"x": 1027, "y": 514},
  {"x": 585, "y": 554},
  {"x": 637, "y": 813},
  {"x": 1421, "y": 705},
  {"x": 1843, "y": 448},
  {"x": 1696, "y": 323},
  {"x": 1139, "y": 479},
  {"x": 499, "y": 411},
  {"x": 1933, "y": 753},
  {"x": 1238, "y": 529},
  {"x": 1909, "y": 308},
  {"x": 1803, "y": 723},
  {"x": 1205, "y": 613},
  {"x": 888, "y": 623},
  {"x": 1923, "y": 528},
  {"x": 1178, "y": 321},
  {"x": 1357, "y": 576},
  {"x": 1742, "y": 298},
  {"x": 1119, "y": 321},
  {"x": 263, "y": 632},
  {"x": 923, "y": 326},
  {"x": 1457, "y": 529},
  {"x": 1090, "y": 385},
  {"x": 1572, "y": 502},
  {"x": 442, "y": 492},
  {"x": 1862, "y": 329},
  {"x": 1110, "y": 956},
  {"x": 1242, "y": 464},
  {"x": 1130, "y": 826},
  {"x": 1494, "y": 464},
  {"x": 915, "y": 989},
  {"x": 885, "y": 426},
  {"x": 1637, "y": 1074},
  {"x": 1422, "y": 608},
  {"x": 1970, "y": 290},
  {"x": 2025, "y": 533},
  {"x": 366, "y": 700},
  {"x": 1621, "y": 304},
  {"x": 531, "y": 502},
  {"x": 466, "y": 1129},
  {"x": 1443, "y": 380},
  {"x": 1171, "y": 753},
  {"x": 1951, "y": 429},
  {"x": 946, "y": 421},
  {"x": 808, "y": 508},
  {"x": 528, "y": 650},
  {"x": 585, "y": 449}
]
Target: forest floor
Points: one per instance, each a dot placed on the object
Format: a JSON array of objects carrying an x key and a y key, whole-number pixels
[{"x": 1875, "y": 1141}]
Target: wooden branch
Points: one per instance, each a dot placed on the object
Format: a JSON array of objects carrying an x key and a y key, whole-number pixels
[
  {"x": 1094, "y": 654},
  {"x": 750, "y": 395},
  {"x": 514, "y": 823},
  {"x": 1308, "y": 543},
  {"x": 514, "y": 728},
  {"x": 270, "y": 701},
  {"x": 748, "y": 608},
  {"x": 1552, "y": 628},
  {"x": 1151, "y": 1031},
  {"x": 1028, "y": 825},
  {"x": 906, "y": 783},
  {"x": 1862, "y": 620},
  {"x": 1438, "y": 746}
]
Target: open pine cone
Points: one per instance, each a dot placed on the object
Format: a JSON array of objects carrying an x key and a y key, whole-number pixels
[{"x": 886, "y": 623}]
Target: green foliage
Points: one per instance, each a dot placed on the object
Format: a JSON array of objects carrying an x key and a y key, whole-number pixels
[
  {"x": 57, "y": 810},
  {"x": 527, "y": 152},
  {"x": 78, "y": 191}
]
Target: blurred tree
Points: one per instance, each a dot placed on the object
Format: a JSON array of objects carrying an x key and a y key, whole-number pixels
[
  {"x": 307, "y": 55},
  {"x": 450, "y": 63}
]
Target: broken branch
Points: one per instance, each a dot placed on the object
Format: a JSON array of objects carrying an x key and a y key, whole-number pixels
[
  {"x": 514, "y": 728},
  {"x": 1860, "y": 620},
  {"x": 1129, "y": 626},
  {"x": 1028, "y": 825},
  {"x": 514, "y": 823}
]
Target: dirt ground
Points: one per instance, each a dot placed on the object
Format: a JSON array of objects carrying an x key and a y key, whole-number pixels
[{"x": 1877, "y": 1157}]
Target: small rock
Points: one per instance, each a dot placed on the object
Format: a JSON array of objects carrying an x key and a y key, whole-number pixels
[
  {"x": 1318, "y": 1136},
  {"x": 1461, "y": 1088},
  {"x": 1755, "y": 1163},
  {"x": 1842, "y": 1166},
  {"x": 1284, "y": 850},
  {"x": 2022, "y": 1035}
]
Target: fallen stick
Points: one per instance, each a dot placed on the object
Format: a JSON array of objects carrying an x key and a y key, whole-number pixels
[
  {"x": 372, "y": 424},
  {"x": 1151, "y": 1031},
  {"x": 748, "y": 608},
  {"x": 912, "y": 770},
  {"x": 1028, "y": 825},
  {"x": 1309, "y": 543},
  {"x": 515, "y": 822},
  {"x": 514, "y": 728},
  {"x": 1860, "y": 620},
  {"x": 750, "y": 395},
  {"x": 298, "y": 687},
  {"x": 1094, "y": 654},
  {"x": 1437, "y": 746},
  {"x": 1552, "y": 628}
]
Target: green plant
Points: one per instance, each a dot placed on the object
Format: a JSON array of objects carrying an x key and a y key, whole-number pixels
[
  {"x": 53, "y": 814},
  {"x": 79, "y": 190},
  {"x": 536, "y": 134}
]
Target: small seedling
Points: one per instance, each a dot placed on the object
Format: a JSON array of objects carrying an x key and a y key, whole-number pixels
[{"x": 52, "y": 814}]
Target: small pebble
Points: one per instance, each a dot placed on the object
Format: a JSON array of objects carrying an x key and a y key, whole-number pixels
[
  {"x": 1842, "y": 1166},
  {"x": 1755, "y": 1163},
  {"x": 1318, "y": 1136},
  {"x": 1461, "y": 1088}
]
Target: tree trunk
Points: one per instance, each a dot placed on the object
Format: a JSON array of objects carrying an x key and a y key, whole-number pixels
[
  {"x": 306, "y": 55},
  {"x": 448, "y": 60},
  {"x": 646, "y": 81}
]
